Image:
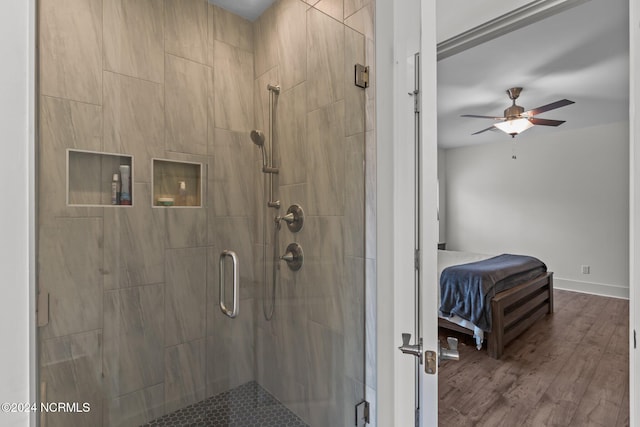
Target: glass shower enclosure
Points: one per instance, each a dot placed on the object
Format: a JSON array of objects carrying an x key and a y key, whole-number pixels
[{"x": 155, "y": 199}]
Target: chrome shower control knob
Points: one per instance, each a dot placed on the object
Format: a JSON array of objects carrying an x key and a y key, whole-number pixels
[
  {"x": 294, "y": 218},
  {"x": 293, "y": 256}
]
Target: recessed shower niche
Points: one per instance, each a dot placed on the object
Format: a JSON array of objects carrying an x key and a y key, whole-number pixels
[
  {"x": 176, "y": 183},
  {"x": 96, "y": 179}
]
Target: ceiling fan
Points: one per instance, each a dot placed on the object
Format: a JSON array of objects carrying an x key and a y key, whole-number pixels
[{"x": 516, "y": 120}]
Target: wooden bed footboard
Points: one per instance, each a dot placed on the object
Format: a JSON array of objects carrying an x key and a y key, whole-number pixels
[{"x": 514, "y": 311}]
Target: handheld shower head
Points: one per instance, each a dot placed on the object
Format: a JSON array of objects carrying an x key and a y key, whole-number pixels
[{"x": 257, "y": 136}]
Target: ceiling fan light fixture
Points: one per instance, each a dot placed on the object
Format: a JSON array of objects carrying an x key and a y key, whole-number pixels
[{"x": 514, "y": 126}]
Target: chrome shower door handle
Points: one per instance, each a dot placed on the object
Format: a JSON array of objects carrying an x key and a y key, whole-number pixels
[{"x": 234, "y": 258}]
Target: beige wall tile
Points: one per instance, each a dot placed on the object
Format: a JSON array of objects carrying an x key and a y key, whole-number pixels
[
  {"x": 326, "y": 173},
  {"x": 133, "y": 339},
  {"x": 185, "y": 275},
  {"x": 352, "y": 306},
  {"x": 233, "y": 85},
  {"x": 185, "y": 227},
  {"x": 290, "y": 135},
  {"x": 333, "y": 8},
  {"x": 261, "y": 97},
  {"x": 186, "y": 29},
  {"x": 72, "y": 371},
  {"x": 370, "y": 322},
  {"x": 354, "y": 238},
  {"x": 325, "y": 61},
  {"x": 70, "y": 49},
  {"x": 234, "y": 164},
  {"x": 135, "y": 408},
  {"x": 186, "y": 106},
  {"x": 265, "y": 42},
  {"x": 134, "y": 121},
  {"x": 291, "y": 25},
  {"x": 326, "y": 376},
  {"x": 232, "y": 233},
  {"x": 232, "y": 29},
  {"x": 184, "y": 374},
  {"x": 371, "y": 195},
  {"x": 322, "y": 274},
  {"x": 352, "y": 6},
  {"x": 362, "y": 20},
  {"x": 354, "y": 96},
  {"x": 230, "y": 351},
  {"x": 64, "y": 124},
  {"x": 134, "y": 242},
  {"x": 370, "y": 93},
  {"x": 70, "y": 268},
  {"x": 134, "y": 38}
]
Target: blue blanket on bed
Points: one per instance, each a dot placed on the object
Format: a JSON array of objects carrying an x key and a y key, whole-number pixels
[{"x": 466, "y": 290}]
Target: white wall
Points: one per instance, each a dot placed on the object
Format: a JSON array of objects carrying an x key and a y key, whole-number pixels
[
  {"x": 16, "y": 115},
  {"x": 442, "y": 192},
  {"x": 564, "y": 200}
]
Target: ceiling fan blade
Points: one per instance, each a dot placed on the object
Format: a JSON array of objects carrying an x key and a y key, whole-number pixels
[
  {"x": 482, "y": 117},
  {"x": 546, "y": 122},
  {"x": 483, "y": 130},
  {"x": 548, "y": 107}
]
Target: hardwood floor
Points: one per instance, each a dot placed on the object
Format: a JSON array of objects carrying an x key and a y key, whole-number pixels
[{"x": 569, "y": 369}]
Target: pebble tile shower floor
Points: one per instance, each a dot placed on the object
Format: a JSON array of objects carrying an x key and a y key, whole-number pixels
[{"x": 248, "y": 405}]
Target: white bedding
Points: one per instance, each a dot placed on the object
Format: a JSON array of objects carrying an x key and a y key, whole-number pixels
[{"x": 449, "y": 258}]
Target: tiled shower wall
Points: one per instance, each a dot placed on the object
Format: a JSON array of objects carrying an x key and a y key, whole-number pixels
[
  {"x": 134, "y": 325},
  {"x": 323, "y": 133}
]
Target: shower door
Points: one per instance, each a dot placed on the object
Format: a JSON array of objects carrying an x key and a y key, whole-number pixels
[{"x": 147, "y": 174}]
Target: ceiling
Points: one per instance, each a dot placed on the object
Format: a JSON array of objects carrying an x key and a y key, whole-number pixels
[
  {"x": 581, "y": 54},
  {"x": 249, "y": 9}
]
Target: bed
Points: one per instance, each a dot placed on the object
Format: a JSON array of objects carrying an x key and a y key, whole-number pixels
[{"x": 510, "y": 308}]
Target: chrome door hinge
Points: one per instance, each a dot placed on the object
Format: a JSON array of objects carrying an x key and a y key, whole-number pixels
[
  {"x": 42, "y": 309},
  {"x": 416, "y": 259},
  {"x": 362, "y": 76},
  {"x": 362, "y": 413}
]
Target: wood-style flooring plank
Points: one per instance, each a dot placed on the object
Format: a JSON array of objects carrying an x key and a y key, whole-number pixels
[{"x": 569, "y": 369}]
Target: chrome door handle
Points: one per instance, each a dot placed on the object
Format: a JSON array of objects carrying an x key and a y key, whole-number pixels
[
  {"x": 450, "y": 353},
  {"x": 234, "y": 258},
  {"x": 412, "y": 349}
]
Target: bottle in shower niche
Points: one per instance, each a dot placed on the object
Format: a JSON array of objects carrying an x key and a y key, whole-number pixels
[
  {"x": 125, "y": 185},
  {"x": 181, "y": 200},
  {"x": 115, "y": 189}
]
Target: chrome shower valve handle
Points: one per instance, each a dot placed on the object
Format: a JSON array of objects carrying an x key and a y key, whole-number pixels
[
  {"x": 294, "y": 257},
  {"x": 294, "y": 218}
]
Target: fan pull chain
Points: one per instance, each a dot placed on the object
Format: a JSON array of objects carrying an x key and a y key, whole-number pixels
[{"x": 513, "y": 151}]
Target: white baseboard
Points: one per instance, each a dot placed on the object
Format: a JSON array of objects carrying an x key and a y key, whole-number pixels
[{"x": 602, "y": 289}]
